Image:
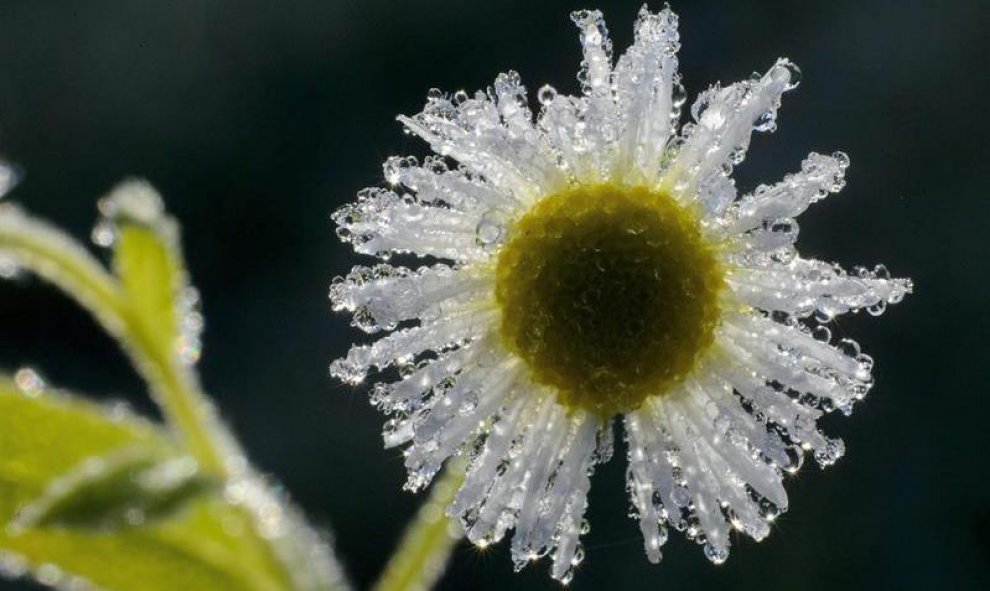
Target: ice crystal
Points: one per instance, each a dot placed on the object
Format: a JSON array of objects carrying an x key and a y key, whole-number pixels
[{"x": 707, "y": 455}]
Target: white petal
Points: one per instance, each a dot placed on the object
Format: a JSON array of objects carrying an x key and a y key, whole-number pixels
[
  {"x": 537, "y": 483},
  {"x": 576, "y": 128},
  {"x": 735, "y": 442},
  {"x": 435, "y": 184},
  {"x": 454, "y": 415},
  {"x": 819, "y": 176},
  {"x": 649, "y": 96},
  {"x": 381, "y": 222},
  {"x": 804, "y": 286},
  {"x": 596, "y": 67},
  {"x": 798, "y": 420},
  {"x": 725, "y": 118},
  {"x": 793, "y": 357},
  {"x": 726, "y": 473},
  {"x": 495, "y": 512},
  {"x": 382, "y": 296},
  {"x": 512, "y": 157},
  {"x": 701, "y": 483},
  {"x": 403, "y": 345},
  {"x": 491, "y": 459},
  {"x": 650, "y": 481},
  {"x": 411, "y": 392},
  {"x": 555, "y": 516}
]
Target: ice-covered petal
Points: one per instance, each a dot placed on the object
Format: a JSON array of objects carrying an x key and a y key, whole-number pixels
[
  {"x": 404, "y": 345},
  {"x": 725, "y": 119},
  {"x": 456, "y": 412},
  {"x": 574, "y": 128},
  {"x": 553, "y": 517},
  {"x": 706, "y": 522},
  {"x": 382, "y": 222},
  {"x": 412, "y": 391},
  {"x": 791, "y": 355},
  {"x": 510, "y": 155},
  {"x": 731, "y": 475},
  {"x": 382, "y": 296},
  {"x": 650, "y": 481},
  {"x": 805, "y": 286},
  {"x": 753, "y": 450},
  {"x": 435, "y": 183},
  {"x": 797, "y": 420},
  {"x": 649, "y": 96},
  {"x": 535, "y": 481},
  {"x": 819, "y": 176},
  {"x": 582, "y": 130},
  {"x": 595, "y": 75}
]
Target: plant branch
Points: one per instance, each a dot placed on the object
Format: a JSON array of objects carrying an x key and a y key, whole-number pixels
[
  {"x": 307, "y": 560},
  {"x": 57, "y": 258},
  {"x": 427, "y": 544}
]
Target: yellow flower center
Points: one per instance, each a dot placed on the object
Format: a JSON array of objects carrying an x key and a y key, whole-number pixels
[{"x": 609, "y": 293}]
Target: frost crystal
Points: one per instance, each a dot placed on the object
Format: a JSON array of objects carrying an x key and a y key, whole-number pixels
[{"x": 707, "y": 456}]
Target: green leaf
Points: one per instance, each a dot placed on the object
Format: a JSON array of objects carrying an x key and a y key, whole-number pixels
[
  {"x": 150, "y": 279},
  {"x": 132, "y": 486},
  {"x": 206, "y": 544},
  {"x": 147, "y": 261}
]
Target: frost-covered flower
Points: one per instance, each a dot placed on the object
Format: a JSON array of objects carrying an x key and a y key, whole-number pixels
[{"x": 595, "y": 263}]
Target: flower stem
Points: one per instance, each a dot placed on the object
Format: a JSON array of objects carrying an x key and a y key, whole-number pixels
[{"x": 427, "y": 544}]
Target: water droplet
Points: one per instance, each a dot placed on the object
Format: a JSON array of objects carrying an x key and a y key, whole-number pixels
[
  {"x": 878, "y": 308},
  {"x": 788, "y": 72},
  {"x": 9, "y": 269},
  {"x": 546, "y": 95},
  {"x": 49, "y": 574},
  {"x": 678, "y": 95},
  {"x": 489, "y": 232},
  {"x": 9, "y": 177},
  {"x": 12, "y": 566},
  {"x": 716, "y": 555},
  {"x": 470, "y": 403},
  {"x": 567, "y": 577},
  {"x": 103, "y": 234},
  {"x": 29, "y": 382},
  {"x": 681, "y": 496}
]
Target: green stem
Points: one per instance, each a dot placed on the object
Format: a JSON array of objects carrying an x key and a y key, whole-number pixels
[{"x": 427, "y": 544}]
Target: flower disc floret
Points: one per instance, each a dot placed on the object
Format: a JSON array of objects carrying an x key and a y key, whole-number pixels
[{"x": 609, "y": 293}]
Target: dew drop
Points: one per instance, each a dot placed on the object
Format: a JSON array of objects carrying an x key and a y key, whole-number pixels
[
  {"x": 678, "y": 96},
  {"x": 489, "y": 232},
  {"x": 12, "y": 566},
  {"x": 29, "y": 382},
  {"x": 9, "y": 269},
  {"x": 103, "y": 234},
  {"x": 878, "y": 308},
  {"x": 680, "y": 496},
  {"x": 788, "y": 72},
  {"x": 716, "y": 555},
  {"x": 546, "y": 95}
]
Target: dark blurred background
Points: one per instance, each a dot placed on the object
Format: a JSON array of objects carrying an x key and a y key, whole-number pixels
[{"x": 256, "y": 119}]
